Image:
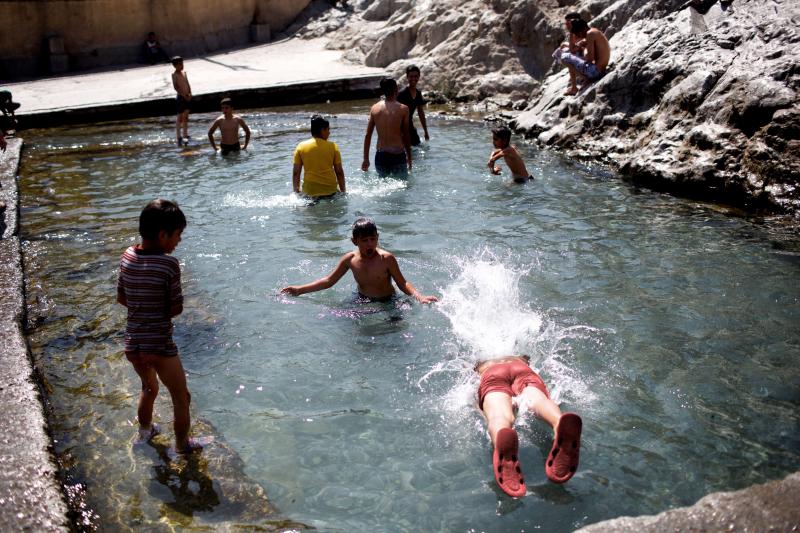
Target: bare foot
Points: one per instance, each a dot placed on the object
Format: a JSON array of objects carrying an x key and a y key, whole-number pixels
[{"x": 572, "y": 91}]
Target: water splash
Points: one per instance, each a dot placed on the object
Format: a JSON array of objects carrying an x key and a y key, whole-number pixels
[
  {"x": 490, "y": 319},
  {"x": 254, "y": 199}
]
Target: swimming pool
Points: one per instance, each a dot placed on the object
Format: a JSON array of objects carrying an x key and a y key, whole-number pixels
[{"x": 670, "y": 326}]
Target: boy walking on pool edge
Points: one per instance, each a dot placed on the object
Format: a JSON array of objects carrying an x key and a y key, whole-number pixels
[
  {"x": 373, "y": 269},
  {"x": 149, "y": 286},
  {"x": 180, "y": 81},
  {"x": 509, "y": 385}
]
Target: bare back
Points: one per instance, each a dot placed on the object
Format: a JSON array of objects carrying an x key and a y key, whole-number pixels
[
  {"x": 515, "y": 163},
  {"x": 597, "y": 49},
  {"x": 391, "y": 122}
]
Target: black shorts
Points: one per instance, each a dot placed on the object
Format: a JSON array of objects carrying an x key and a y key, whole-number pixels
[
  {"x": 226, "y": 149},
  {"x": 181, "y": 104},
  {"x": 390, "y": 163},
  {"x": 415, "y": 140}
]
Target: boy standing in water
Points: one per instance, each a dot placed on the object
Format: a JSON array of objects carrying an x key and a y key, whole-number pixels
[
  {"x": 149, "y": 287},
  {"x": 501, "y": 138},
  {"x": 180, "y": 81},
  {"x": 373, "y": 269},
  {"x": 321, "y": 161},
  {"x": 228, "y": 125},
  {"x": 411, "y": 97},
  {"x": 508, "y": 385}
]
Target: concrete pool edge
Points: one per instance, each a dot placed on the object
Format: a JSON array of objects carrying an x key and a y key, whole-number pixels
[
  {"x": 292, "y": 93},
  {"x": 31, "y": 494}
]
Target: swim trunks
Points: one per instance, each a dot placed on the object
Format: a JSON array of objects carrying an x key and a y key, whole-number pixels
[
  {"x": 373, "y": 299},
  {"x": 521, "y": 179},
  {"x": 181, "y": 104},
  {"x": 226, "y": 149},
  {"x": 389, "y": 162},
  {"x": 589, "y": 70},
  {"x": 511, "y": 378}
]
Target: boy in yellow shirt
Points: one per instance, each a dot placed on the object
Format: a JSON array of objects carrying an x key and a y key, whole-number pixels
[{"x": 321, "y": 161}]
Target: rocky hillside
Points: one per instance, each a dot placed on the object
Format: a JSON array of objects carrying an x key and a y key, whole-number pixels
[{"x": 701, "y": 105}]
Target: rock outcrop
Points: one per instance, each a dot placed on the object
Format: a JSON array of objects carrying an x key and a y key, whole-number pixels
[
  {"x": 711, "y": 114},
  {"x": 701, "y": 105}
]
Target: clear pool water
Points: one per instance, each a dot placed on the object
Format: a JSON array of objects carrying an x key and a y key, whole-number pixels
[{"x": 670, "y": 326}]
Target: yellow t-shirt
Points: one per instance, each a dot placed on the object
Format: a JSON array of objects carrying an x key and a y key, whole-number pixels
[{"x": 318, "y": 157}]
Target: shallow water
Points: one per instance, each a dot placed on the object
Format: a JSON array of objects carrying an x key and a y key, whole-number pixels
[{"x": 670, "y": 327}]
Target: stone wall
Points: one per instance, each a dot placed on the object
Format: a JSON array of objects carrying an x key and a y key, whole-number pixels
[{"x": 111, "y": 32}]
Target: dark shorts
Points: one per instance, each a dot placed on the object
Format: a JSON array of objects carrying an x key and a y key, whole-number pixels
[
  {"x": 511, "y": 378},
  {"x": 521, "y": 179},
  {"x": 181, "y": 104},
  {"x": 391, "y": 163},
  {"x": 226, "y": 149}
]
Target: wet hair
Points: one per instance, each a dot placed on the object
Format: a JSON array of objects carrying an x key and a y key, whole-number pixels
[
  {"x": 578, "y": 27},
  {"x": 412, "y": 68},
  {"x": 574, "y": 15},
  {"x": 502, "y": 133},
  {"x": 160, "y": 215},
  {"x": 175, "y": 60},
  {"x": 364, "y": 227},
  {"x": 226, "y": 101},
  {"x": 388, "y": 86},
  {"x": 318, "y": 124}
]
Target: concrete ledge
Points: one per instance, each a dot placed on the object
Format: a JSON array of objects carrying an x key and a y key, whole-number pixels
[
  {"x": 352, "y": 88},
  {"x": 31, "y": 498},
  {"x": 772, "y": 506}
]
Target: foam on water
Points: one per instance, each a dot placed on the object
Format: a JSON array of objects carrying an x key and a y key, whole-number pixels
[
  {"x": 490, "y": 319},
  {"x": 255, "y": 199}
]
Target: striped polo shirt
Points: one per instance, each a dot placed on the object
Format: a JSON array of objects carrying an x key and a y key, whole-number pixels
[{"x": 151, "y": 284}]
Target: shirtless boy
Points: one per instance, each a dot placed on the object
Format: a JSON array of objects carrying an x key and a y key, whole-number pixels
[
  {"x": 592, "y": 63},
  {"x": 181, "y": 84},
  {"x": 411, "y": 97},
  {"x": 571, "y": 45},
  {"x": 509, "y": 385},
  {"x": 373, "y": 269},
  {"x": 501, "y": 138},
  {"x": 390, "y": 118},
  {"x": 228, "y": 125}
]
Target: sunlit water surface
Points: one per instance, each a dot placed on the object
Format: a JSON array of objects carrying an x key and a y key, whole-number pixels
[{"x": 672, "y": 328}]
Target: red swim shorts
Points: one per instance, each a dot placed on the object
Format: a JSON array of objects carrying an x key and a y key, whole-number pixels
[{"x": 511, "y": 378}]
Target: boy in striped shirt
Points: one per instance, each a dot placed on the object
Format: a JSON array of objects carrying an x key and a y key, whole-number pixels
[{"x": 149, "y": 287}]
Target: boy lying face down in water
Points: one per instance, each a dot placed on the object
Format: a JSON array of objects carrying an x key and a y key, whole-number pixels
[
  {"x": 373, "y": 268},
  {"x": 509, "y": 385}
]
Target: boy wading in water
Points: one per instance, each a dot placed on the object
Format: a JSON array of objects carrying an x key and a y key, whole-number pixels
[
  {"x": 373, "y": 269},
  {"x": 390, "y": 118},
  {"x": 149, "y": 287},
  {"x": 411, "y": 97},
  {"x": 509, "y": 385},
  {"x": 181, "y": 84},
  {"x": 321, "y": 161},
  {"x": 228, "y": 125},
  {"x": 501, "y": 139}
]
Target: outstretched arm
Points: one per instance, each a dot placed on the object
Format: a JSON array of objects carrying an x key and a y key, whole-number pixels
[
  {"x": 246, "y": 133},
  {"x": 322, "y": 283},
  {"x": 211, "y": 131},
  {"x": 368, "y": 142},
  {"x": 405, "y": 285}
]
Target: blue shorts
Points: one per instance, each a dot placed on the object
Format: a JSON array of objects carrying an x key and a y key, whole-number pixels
[{"x": 585, "y": 68}]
